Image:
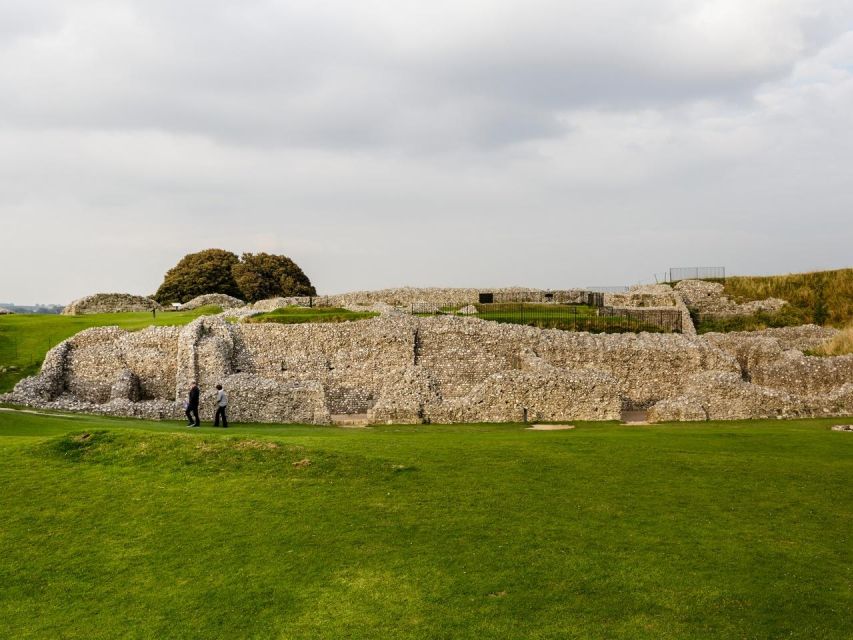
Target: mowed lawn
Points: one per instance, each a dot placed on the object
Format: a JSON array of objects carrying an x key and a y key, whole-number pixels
[{"x": 118, "y": 528}]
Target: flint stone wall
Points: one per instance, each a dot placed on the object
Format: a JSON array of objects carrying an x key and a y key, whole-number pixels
[
  {"x": 656, "y": 296},
  {"x": 725, "y": 396},
  {"x": 774, "y": 358},
  {"x": 441, "y": 369},
  {"x": 222, "y": 300},
  {"x": 407, "y": 296},
  {"x": 110, "y": 303},
  {"x": 707, "y": 298}
]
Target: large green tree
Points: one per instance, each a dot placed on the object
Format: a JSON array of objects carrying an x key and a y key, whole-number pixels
[
  {"x": 262, "y": 275},
  {"x": 208, "y": 271}
]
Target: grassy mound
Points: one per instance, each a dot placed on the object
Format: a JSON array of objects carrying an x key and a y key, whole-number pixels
[
  {"x": 820, "y": 297},
  {"x": 189, "y": 453},
  {"x": 149, "y": 530},
  {"x": 26, "y": 338},
  {"x": 298, "y": 315}
]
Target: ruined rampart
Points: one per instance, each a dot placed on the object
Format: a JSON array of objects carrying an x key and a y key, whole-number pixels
[
  {"x": 110, "y": 303},
  {"x": 402, "y": 368}
]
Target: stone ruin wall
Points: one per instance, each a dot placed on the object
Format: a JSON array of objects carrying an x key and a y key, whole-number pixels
[
  {"x": 440, "y": 369},
  {"x": 221, "y": 300},
  {"x": 707, "y": 298},
  {"x": 110, "y": 303}
]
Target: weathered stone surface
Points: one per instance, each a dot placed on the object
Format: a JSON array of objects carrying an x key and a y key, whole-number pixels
[
  {"x": 707, "y": 298},
  {"x": 726, "y": 396},
  {"x": 110, "y": 303},
  {"x": 407, "y": 397},
  {"x": 469, "y": 310},
  {"x": 222, "y": 300},
  {"x": 126, "y": 387},
  {"x": 402, "y": 368},
  {"x": 653, "y": 295},
  {"x": 803, "y": 337},
  {"x": 545, "y": 393},
  {"x": 255, "y": 399}
]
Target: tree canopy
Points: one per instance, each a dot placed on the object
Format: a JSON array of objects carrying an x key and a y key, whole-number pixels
[
  {"x": 207, "y": 271},
  {"x": 254, "y": 277},
  {"x": 263, "y": 275}
]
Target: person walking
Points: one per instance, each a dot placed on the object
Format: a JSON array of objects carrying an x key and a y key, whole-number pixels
[
  {"x": 192, "y": 406},
  {"x": 221, "y": 403}
]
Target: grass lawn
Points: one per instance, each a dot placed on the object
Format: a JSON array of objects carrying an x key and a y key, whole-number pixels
[
  {"x": 26, "y": 338},
  {"x": 150, "y": 530},
  {"x": 566, "y": 317},
  {"x": 297, "y": 315}
]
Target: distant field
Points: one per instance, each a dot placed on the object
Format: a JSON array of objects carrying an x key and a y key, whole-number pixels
[
  {"x": 26, "y": 338},
  {"x": 150, "y": 530}
]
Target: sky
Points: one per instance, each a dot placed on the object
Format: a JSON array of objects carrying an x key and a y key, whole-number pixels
[{"x": 379, "y": 143}]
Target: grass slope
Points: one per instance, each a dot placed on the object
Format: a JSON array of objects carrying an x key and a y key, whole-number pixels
[
  {"x": 821, "y": 297},
  {"x": 144, "y": 530},
  {"x": 26, "y": 338}
]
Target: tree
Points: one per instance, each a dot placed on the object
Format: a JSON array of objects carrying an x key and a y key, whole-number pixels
[
  {"x": 262, "y": 275},
  {"x": 208, "y": 271}
]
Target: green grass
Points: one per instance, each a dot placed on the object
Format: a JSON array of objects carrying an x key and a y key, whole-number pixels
[
  {"x": 26, "y": 338},
  {"x": 148, "y": 530},
  {"x": 298, "y": 315},
  {"x": 785, "y": 317},
  {"x": 821, "y": 297},
  {"x": 566, "y": 317}
]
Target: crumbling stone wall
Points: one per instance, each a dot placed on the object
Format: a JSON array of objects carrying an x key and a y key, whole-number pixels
[
  {"x": 407, "y": 296},
  {"x": 110, "y": 303},
  {"x": 707, "y": 298},
  {"x": 774, "y": 358},
  {"x": 650, "y": 297},
  {"x": 221, "y": 300},
  {"x": 716, "y": 395},
  {"x": 409, "y": 369}
]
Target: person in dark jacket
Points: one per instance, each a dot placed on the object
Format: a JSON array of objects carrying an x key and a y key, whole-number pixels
[{"x": 192, "y": 406}]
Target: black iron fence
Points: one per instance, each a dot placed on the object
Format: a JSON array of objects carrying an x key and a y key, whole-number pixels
[
  {"x": 563, "y": 316},
  {"x": 696, "y": 273}
]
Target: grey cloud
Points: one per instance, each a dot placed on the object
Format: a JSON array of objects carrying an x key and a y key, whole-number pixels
[
  {"x": 290, "y": 74},
  {"x": 440, "y": 143}
]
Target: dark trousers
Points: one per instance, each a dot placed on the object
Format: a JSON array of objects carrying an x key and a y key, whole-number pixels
[
  {"x": 220, "y": 412},
  {"x": 192, "y": 415}
]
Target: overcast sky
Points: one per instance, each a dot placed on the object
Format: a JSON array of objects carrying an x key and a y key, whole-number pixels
[{"x": 545, "y": 143}]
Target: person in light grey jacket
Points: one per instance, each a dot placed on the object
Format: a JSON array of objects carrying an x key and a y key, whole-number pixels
[{"x": 221, "y": 403}]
